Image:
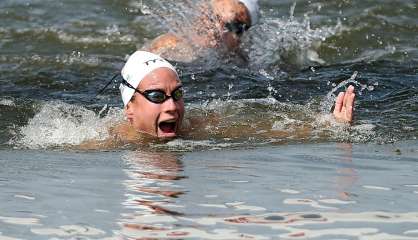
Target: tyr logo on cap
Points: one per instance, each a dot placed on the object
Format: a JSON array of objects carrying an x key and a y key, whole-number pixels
[
  {"x": 138, "y": 65},
  {"x": 154, "y": 61}
]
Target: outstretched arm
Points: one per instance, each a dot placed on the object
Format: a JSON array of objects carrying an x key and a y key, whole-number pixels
[{"x": 344, "y": 105}]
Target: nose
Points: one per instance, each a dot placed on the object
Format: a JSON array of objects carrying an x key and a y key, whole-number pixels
[{"x": 169, "y": 105}]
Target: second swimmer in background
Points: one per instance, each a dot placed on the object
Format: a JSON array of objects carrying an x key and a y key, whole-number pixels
[{"x": 219, "y": 26}]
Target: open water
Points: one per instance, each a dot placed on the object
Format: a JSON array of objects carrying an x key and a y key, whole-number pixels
[{"x": 268, "y": 163}]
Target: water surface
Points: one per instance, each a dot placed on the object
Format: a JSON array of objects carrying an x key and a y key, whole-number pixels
[
  {"x": 363, "y": 192},
  {"x": 267, "y": 162}
]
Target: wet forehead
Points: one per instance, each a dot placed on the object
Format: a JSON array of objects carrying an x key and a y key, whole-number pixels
[{"x": 161, "y": 78}]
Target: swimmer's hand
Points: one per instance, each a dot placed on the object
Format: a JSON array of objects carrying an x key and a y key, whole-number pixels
[{"x": 344, "y": 105}]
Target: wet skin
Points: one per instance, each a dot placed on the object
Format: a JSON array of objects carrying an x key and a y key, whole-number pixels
[
  {"x": 344, "y": 105},
  {"x": 228, "y": 11},
  {"x": 224, "y": 11},
  {"x": 144, "y": 117},
  {"x": 160, "y": 120}
]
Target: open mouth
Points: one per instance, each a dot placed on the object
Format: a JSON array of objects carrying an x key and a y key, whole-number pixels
[{"x": 167, "y": 126}]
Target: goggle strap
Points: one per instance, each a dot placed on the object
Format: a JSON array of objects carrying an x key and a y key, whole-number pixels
[{"x": 105, "y": 87}]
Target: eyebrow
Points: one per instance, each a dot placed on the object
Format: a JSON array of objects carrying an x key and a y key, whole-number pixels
[{"x": 160, "y": 89}]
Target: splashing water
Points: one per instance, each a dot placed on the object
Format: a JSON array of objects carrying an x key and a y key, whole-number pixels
[
  {"x": 328, "y": 102},
  {"x": 270, "y": 44},
  {"x": 59, "y": 123},
  {"x": 273, "y": 42},
  {"x": 187, "y": 18},
  {"x": 213, "y": 124},
  {"x": 286, "y": 41}
]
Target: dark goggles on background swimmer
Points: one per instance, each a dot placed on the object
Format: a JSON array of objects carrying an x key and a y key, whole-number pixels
[
  {"x": 158, "y": 96},
  {"x": 236, "y": 27}
]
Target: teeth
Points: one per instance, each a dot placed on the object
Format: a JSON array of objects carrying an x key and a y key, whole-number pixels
[{"x": 170, "y": 121}]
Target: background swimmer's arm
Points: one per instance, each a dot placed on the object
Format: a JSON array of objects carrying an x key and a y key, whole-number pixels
[{"x": 344, "y": 105}]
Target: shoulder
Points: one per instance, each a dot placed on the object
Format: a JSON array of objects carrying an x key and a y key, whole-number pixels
[
  {"x": 124, "y": 132},
  {"x": 163, "y": 42}
]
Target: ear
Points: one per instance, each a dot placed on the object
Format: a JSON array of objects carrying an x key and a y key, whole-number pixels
[{"x": 129, "y": 112}]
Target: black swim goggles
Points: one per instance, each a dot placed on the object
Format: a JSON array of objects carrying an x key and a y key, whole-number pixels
[
  {"x": 156, "y": 95},
  {"x": 236, "y": 27}
]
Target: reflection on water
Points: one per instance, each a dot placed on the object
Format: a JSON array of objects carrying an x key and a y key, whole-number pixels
[
  {"x": 347, "y": 174},
  {"x": 322, "y": 191},
  {"x": 63, "y": 195},
  {"x": 264, "y": 195},
  {"x": 151, "y": 191}
]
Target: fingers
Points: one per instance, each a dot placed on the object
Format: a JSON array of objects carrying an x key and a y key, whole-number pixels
[
  {"x": 339, "y": 103},
  {"x": 350, "y": 100},
  {"x": 350, "y": 89},
  {"x": 348, "y": 93},
  {"x": 343, "y": 110},
  {"x": 350, "y": 107}
]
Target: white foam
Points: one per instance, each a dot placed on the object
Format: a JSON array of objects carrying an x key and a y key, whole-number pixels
[
  {"x": 212, "y": 205},
  {"x": 336, "y": 201},
  {"x": 59, "y": 123},
  {"x": 377, "y": 188},
  {"x": 68, "y": 230},
  {"x": 312, "y": 203},
  {"x": 249, "y": 208},
  {"x": 289, "y": 191},
  {"x": 24, "y": 197},
  {"x": 72, "y": 58},
  {"x": 20, "y": 221},
  {"x": 290, "y": 41},
  {"x": 7, "y": 102},
  {"x": 2, "y": 237},
  {"x": 76, "y": 57}
]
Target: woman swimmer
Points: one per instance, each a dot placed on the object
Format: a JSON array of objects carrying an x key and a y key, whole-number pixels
[{"x": 153, "y": 98}]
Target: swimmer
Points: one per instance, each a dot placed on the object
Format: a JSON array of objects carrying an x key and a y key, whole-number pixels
[
  {"x": 222, "y": 27},
  {"x": 152, "y": 95}
]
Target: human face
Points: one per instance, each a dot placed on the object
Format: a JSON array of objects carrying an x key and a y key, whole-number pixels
[
  {"x": 233, "y": 13},
  {"x": 164, "y": 119}
]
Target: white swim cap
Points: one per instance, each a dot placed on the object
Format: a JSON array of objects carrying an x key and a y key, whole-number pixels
[
  {"x": 253, "y": 9},
  {"x": 139, "y": 64}
]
